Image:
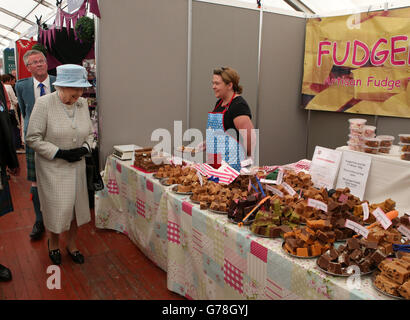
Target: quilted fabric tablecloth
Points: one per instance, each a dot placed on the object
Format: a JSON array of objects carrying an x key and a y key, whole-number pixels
[
  {"x": 206, "y": 256},
  {"x": 211, "y": 258},
  {"x": 135, "y": 204}
]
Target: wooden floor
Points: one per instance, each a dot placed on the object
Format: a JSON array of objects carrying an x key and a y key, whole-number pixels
[{"x": 114, "y": 267}]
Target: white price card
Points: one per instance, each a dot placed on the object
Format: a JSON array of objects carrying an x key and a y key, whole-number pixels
[
  {"x": 275, "y": 191},
  {"x": 279, "y": 178},
  {"x": 324, "y": 167},
  {"x": 317, "y": 204},
  {"x": 382, "y": 218},
  {"x": 200, "y": 178},
  {"x": 359, "y": 229},
  {"x": 289, "y": 189},
  {"x": 353, "y": 173},
  {"x": 404, "y": 231},
  {"x": 267, "y": 181},
  {"x": 177, "y": 160},
  {"x": 247, "y": 162},
  {"x": 365, "y": 207}
]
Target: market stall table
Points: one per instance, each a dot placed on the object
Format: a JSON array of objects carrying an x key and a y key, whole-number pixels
[
  {"x": 135, "y": 204},
  {"x": 206, "y": 256}
]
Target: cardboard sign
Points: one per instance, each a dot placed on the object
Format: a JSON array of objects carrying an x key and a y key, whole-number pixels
[
  {"x": 324, "y": 167},
  {"x": 382, "y": 218},
  {"x": 353, "y": 173},
  {"x": 359, "y": 229},
  {"x": 317, "y": 204}
]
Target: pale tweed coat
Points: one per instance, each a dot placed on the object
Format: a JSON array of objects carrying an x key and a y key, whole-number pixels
[{"x": 62, "y": 186}]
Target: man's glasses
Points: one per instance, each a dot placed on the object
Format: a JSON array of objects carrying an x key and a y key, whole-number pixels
[{"x": 36, "y": 62}]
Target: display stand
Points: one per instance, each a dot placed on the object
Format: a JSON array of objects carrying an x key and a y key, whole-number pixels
[{"x": 389, "y": 177}]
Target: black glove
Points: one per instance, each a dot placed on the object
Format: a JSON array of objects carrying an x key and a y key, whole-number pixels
[
  {"x": 80, "y": 152},
  {"x": 72, "y": 155}
]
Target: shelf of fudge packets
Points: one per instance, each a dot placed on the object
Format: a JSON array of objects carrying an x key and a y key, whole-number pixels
[
  {"x": 332, "y": 226},
  {"x": 363, "y": 138}
]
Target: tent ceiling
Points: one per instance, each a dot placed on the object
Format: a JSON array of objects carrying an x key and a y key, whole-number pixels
[{"x": 17, "y": 16}]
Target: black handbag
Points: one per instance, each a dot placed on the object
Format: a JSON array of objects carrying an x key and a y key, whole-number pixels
[{"x": 94, "y": 180}]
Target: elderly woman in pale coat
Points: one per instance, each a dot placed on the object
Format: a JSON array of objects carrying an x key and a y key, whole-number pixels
[{"x": 61, "y": 133}]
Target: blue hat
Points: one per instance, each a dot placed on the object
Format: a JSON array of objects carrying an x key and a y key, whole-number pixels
[{"x": 72, "y": 75}]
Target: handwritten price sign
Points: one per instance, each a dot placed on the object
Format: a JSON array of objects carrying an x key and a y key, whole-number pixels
[
  {"x": 275, "y": 191},
  {"x": 357, "y": 228},
  {"x": 317, "y": 204},
  {"x": 288, "y": 189},
  {"x": 404, "y": 231},
  {"x": 365, "y": 207},
  {"x": 382, "y": 218}
]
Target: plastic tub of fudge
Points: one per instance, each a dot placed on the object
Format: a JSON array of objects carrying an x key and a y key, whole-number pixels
[
  {"x": 405, "y": 147},
  {"x": 356, "y": 131},
  {"x": 368, "y": 149},
  {"x": 356, "y": 123},
  {"x": 372, "y": 142},
  {"x": 356, "y": 138},
  {"x": 404, "y": 137},
  {"x": 405, "y": 155},
  {"x": 386, "y": 141},
  {"x": 369, "y": 131},
  {"x": 354, "y": 146},
  {"x": 384, "y": 150}
]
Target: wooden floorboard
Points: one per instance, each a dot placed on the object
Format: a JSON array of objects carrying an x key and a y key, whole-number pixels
[{"x": 114, "y": 267}]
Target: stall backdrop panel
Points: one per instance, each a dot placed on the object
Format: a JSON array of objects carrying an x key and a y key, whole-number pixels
[
  {"x": 281, "y": 121},
  {"x": 222, "y": 36}
]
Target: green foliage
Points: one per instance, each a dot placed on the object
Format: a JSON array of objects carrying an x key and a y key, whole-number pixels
[
  {"x": 40, "y": 47},
  {"x": 85, "y": 29}
]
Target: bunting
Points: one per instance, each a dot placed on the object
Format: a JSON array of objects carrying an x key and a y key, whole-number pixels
[{"x": 69, "y": 19}]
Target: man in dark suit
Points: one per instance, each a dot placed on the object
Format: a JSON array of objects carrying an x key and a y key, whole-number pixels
[
  {"x": 8, "y": 159},
  {"x": 28, "y": 90}
]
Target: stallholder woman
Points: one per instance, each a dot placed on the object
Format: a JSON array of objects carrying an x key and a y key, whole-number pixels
[
  {"x": 60, "y": 132},
  {"x": 229, "y": 135}
]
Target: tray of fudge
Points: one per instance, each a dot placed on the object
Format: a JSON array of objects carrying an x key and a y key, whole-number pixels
[
  {"x": 393, "y": 280},
  {"x": 308, "y": 242},
  {"x": 300, "y": 256},
  {"x": 181, "y": 190},
  {"x": 361, "y": 253}
]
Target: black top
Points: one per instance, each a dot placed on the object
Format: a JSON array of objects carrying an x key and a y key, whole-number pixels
[
  {"x": 8, "y": 157},
  {"x": 238, "y": 107}
]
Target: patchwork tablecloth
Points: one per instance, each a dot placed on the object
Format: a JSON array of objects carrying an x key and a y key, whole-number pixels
[
  {"x": 135, "y": 204},
  {"x": 205, "y": 255},
  {"x": 211, "y": 258}
]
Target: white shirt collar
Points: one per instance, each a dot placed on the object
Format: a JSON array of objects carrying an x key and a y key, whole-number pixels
[{"x": 46, "y": 82}]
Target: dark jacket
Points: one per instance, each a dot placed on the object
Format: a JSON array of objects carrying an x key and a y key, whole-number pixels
[{"x": 8, "y": 156}]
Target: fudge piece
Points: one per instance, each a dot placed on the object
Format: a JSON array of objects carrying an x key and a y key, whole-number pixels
[
  {"x": 395, "y": 272},
  {"x": 386, "y": 284},
  {"x": 377, "y": 257},
  {"x": 335, "y": 268},
  {"x": 404, "y": 290},
  {"x": 323, "y": 262},
  {"x": 353, "y": 244}
]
